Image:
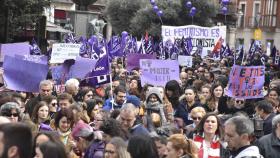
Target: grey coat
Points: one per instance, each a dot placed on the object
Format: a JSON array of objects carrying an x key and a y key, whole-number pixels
[{"x": 269, "y": 146}]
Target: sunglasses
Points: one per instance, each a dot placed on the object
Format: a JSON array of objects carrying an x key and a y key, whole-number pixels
[
  {"x": 54, "y": 104},
  {"x": 196, "y": 118},
  {"x": 239, "y": 101},
  {"x": 11, "y": 114}
]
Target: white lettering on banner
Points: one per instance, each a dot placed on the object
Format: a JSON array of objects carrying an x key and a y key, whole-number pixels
[
  {"x": 64, "y": 51},
  {"x": 94, "y": 56},
  {"x": 207, "y": 36},
  {"x": 100, "y": 68},
  {"x": 101, "y": 79}
]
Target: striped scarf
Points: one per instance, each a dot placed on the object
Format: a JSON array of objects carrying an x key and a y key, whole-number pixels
[{"x": 207, "y": 152}]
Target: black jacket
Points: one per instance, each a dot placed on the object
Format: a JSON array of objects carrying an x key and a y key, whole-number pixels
[{"x": 269, "y": 146}]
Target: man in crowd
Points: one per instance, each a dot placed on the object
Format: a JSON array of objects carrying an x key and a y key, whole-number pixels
[
  {"x": 238, "y": 132},
  {"x": 45, "y": 89},
  {"x": 128, "y": 117},
  {"x": 72, "y": 87},
  {"x": 64, "y": 100},
  {"x": 15, "y": 141},
  {"x": 269, "y": 145},
  {"x": 265, "y": 110},
  {"x": 118, "y": 100}
]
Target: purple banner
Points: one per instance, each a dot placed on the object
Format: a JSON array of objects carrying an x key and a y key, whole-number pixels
[
  {"x": 96, "y": 81},
  {"x": 158, "y": 72},
  {"x": 23, "y": 75},
  {"x": 133, "y": 60},
  {"x": 14, "y": 48},
  {"x": 82, "y": 67},
  {"x": 40, "y": 59},
  {"x": 246, "y": 82}
]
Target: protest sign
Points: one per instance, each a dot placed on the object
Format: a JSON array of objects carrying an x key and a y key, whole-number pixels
[
  {"x": 246, "y": 82},
  {"x": 185, "y": 60},
  {"x": 24, "y": 75},
  {"x": 64, "y": 51},
  {"x": 205, "y": 36},
  {"x": 134, "y": 59},
  {"x": 14, "y": 48},
  {"x": 82, "y": 67},
  {"x": 158, "y": 72}
]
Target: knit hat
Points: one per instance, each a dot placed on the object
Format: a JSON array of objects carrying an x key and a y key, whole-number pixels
[{"x": 156, "y": 91}]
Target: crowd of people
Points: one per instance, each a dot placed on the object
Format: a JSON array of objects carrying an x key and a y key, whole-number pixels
[{"x": 190, "y": 118}]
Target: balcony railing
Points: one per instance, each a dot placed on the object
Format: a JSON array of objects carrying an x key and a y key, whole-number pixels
[{"x": 264, "y": 21}]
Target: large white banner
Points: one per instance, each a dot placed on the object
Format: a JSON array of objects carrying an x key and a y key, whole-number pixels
[
  {"x": 207, "y": 36},
  {"x": 64, "y": 51}
]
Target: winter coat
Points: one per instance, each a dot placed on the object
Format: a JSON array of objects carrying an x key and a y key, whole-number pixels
[
  {"x": 269, "y": 146},
  {"x": 249, "y": 152}
]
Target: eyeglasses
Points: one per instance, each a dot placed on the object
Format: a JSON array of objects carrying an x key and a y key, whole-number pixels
[
  {"x": 196, "y": 118},
  {"x": 11, "y": 114}
]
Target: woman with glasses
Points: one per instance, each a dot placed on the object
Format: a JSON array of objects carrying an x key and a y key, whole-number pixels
[
  {"x": 116, "y": 148},
  {"x": 178, "y": 146},
  {"x": 196, "y": 114},
  {"x": 11, "y": 111},
  {"x": 208, "y": 134}
]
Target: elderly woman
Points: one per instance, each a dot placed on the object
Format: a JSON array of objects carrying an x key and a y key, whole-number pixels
[
  {"x": 180, "y": 147},
  {"x": 11, "y": 111},
  {"x": 208, "y": 134},
  {"x": 116, "y": 148}
]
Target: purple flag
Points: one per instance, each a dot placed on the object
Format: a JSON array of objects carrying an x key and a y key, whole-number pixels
[
  {"x": 96, "y": 81},
  {"x": 133, "y": 60},
  {"x": 40, "y": 59},
  {"x": 246, "y": 82},
  {"x": 102, "y": 65},
  {"x": 114, "y": 47},
  {"x": 70, "y": 38},
  {"x": 24, "y": 75},
  {"x": 14, "y": 48},
  {"x": 158, "y": 72},
  {"x": 187, "y": 46}
]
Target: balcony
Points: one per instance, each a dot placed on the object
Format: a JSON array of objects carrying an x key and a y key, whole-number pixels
[{"x": 265, "y": 22}]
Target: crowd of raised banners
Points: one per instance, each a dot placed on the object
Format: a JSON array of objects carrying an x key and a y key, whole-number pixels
[{"x": 89, "y": 59}]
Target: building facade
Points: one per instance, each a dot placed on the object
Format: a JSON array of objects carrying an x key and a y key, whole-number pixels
[{"x": 258, "y": 14}]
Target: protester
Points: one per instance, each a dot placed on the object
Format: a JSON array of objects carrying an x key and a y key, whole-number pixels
[
  {"x": 140, "y": 146},
  {"x": 161, "y": 143},
  {"x": 72, "y": 87},
  {"x": 50, "y": 149},
  {"x": 178, "y": 146},
  {"x": 64, "y": 101},
  {"x": 238, "y": 132},
  {"x": 217, "y": 91},
  {"x": 208, "y": 135},
  {"x": 15, "y": 141},
  {"x": 85, "y": 94},
  {"x": 118, "y": 100},
  {"x": 41, "y": 114},
  {"x": 269, "y": 144},
  {"x": 116, "y": 148},
  {"x": 265, "y": 111},
  {"x": 196, "y": 114},
  {"x": 11, "y": 111},
  {"x": 45, "y": 89},
  {"x": 53, "y": 105}
]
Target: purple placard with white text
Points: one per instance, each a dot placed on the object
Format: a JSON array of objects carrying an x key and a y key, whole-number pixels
[{"x": 158, "y": 72}]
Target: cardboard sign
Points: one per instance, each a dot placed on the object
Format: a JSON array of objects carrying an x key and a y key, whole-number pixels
[
  {"x": 246, "y": 82},
  {"x": 64, "y": 51},
  {"x": 185, "y": 60}
]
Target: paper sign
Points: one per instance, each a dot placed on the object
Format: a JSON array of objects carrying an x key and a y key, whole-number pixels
[
  {"x": 158, "y": 72},
  {"x": 134, "y": 59},
  {"x": 14, "y": 48},
  {"x": 64, "y": 51},
  {"x": 185, "y": 60},
  {"x": 23, "y": 75},
  {"x": 246, "y": 82}
]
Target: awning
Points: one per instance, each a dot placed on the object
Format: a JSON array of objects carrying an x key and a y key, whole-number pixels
[{"x": 51, "y": 27}]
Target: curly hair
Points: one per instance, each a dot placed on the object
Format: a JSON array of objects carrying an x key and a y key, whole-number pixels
[{"x": 113, "y": 128}]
